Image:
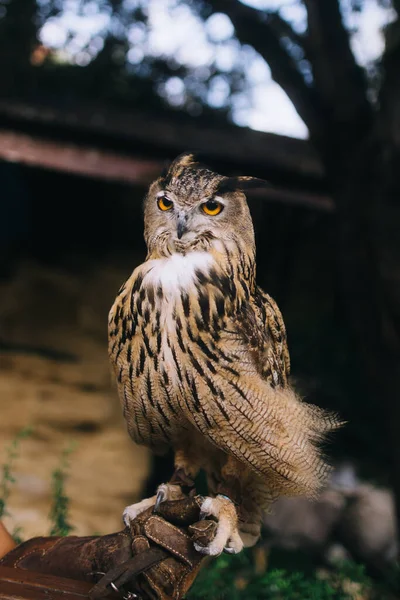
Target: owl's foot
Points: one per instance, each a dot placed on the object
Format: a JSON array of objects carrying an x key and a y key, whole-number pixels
[
  {"x": 227, "y": 538},
  {"x": 167, "y": 491},
  {"x": 131, "y": 512}
]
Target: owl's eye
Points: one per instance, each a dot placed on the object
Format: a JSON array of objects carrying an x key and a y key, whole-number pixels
[
  {"x": 164, "y": 204},
  {"x": 212, "y": 207}
]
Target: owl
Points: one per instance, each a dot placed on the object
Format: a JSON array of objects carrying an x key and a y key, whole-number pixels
[{"x": 201, "y": 361}]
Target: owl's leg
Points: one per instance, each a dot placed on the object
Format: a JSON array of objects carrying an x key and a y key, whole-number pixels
[
  {"x": 259, "y": 495},
  {"x": 186, "y": 469},
  {"x": 249, "y": 532},
  {"x": 187, "y": 465}
]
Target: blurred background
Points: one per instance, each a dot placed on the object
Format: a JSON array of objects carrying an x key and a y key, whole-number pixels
[{"x": 96, "y": 97}]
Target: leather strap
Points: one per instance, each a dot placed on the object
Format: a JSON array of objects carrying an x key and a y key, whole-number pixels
[
  {"x": 161, "y": 533},
  {"x": 120, "y": 575}
]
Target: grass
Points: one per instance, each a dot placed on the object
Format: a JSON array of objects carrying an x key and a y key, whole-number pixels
[
  {"x": 7, "y": 477},
  {"x": 59, "y": 517}
]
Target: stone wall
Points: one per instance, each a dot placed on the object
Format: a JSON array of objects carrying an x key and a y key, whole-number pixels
[{"x": 55, "y": 377}]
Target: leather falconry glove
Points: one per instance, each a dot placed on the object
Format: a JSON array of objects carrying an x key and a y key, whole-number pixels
[{"x": 153, "y": 559}]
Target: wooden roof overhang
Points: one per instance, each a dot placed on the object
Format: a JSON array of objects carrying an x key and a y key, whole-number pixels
[{"x": 132, "y": 148}]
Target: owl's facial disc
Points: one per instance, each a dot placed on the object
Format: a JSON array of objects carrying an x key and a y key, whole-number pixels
[
  {"x": 192, "y": 209},
  {"x": 186, "y": 220}
]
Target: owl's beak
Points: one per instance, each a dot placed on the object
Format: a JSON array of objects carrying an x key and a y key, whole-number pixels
[{"x": 182, "y": 225}]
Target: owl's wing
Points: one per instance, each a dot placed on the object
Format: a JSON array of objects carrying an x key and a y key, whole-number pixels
[
  {"x": 272, "y": 340},
  {"x": 261, "y": 422}
]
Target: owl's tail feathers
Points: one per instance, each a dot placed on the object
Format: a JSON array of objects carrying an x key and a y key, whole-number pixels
[
  {"x": 301, "y": 428},
  {"x": 279, "y": 437},
  {"x": 322, "y": 421}
]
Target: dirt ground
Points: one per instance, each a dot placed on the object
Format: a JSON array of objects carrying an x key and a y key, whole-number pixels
[{"x": 55, "y": 378}]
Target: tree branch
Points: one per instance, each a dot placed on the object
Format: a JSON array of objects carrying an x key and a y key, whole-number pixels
[
  {"x": 263, "y": 31},
  {"x": 340, "y": 82}
]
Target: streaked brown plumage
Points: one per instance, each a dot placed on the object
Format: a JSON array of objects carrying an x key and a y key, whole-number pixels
[{"x": 200, "y": 352}]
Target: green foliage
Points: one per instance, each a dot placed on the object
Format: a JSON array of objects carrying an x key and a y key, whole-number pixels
[
  {"x": 235, "y": 578},
  {"x": 60, "y": 501},
  {"x": 7, "y": 478}
]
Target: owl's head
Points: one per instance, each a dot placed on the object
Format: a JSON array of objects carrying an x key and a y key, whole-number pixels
[{"x": 191, "y": 207}]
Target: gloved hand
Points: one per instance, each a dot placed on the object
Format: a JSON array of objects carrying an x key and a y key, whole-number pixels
[{"x": 153, "y": 559}]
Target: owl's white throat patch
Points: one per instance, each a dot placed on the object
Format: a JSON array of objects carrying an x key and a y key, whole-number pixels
[{"x": 177, "y": 272}]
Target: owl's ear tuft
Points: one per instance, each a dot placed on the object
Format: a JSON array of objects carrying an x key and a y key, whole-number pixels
[
  {"x": 187, "y": 159},
  {"x": 175, "y": 168},
  {"x": 242, "y": 183}
]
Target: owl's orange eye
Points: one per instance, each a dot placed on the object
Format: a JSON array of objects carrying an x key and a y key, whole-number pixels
[
  {"x": 212, "y": 207},
  {"x": 164, "y": 204}
]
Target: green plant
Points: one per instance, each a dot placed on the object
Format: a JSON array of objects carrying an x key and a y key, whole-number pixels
[
  {"x": 7, "y": 478},
  {"x": 60, "y": 501},
  {"x": 235, "y": 578}
]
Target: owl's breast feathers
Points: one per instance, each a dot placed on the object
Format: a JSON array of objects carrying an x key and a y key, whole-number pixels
[{"x": 194, "y": 343}]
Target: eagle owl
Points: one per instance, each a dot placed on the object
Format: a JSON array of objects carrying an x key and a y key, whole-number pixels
[{"x": 201, "y": 359}]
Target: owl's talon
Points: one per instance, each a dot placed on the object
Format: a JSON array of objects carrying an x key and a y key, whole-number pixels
[
  {"x": 200, "y": 548},
  {"x": 228, "y": 550},
  {"x": 161, "y": 496}
]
